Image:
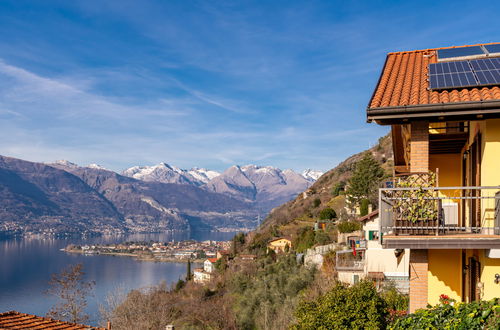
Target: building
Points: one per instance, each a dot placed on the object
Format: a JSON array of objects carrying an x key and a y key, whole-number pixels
[
  {"x": 203, "y": 275},
  {"x": 16, "y": 320},
  {"x": 279, "y": 244},
  {"x": 443, "y": 106},
  {"x": 372, "y": 260}
]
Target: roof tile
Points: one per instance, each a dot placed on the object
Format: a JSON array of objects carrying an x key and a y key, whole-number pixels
[
  {"x": 16, "y": 320},
  {"x": 403, "y": 82}
]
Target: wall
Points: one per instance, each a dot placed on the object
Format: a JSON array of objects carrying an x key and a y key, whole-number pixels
[
  {"x": 489, "y": 267},
  {"x": 490, "y": 174},
  {"x": 444, "y": 275}
]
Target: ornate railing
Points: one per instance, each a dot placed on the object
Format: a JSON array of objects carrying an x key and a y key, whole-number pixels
[{"x": 428, "y": 210}]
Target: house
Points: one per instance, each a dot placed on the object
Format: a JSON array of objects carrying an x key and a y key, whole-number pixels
[
  {"x": 383, "y": 264},
  {"x": 16, "y": 320},
  {"x": 203, "y": 275},
  {"x": 279, "y": 244},
  {"x": 209, "y": 265},
  {"x": 443, "y": 107}
]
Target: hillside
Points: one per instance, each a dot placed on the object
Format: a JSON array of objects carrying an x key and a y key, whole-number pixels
[{"x": 303, "y": 206}]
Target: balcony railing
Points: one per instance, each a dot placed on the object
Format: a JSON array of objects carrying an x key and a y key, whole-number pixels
[
  {"x": 346, "y": 260},
  {"x": 440, "y": 210}
]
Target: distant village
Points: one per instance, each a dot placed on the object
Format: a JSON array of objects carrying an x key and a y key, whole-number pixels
[{"x": 174, "y": 251}]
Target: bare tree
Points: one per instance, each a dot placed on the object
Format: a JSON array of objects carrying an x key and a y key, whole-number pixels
[{"x": 72, "y": 291}]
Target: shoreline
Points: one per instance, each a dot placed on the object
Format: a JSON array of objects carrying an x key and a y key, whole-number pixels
[{"x": 138, "y": 257}]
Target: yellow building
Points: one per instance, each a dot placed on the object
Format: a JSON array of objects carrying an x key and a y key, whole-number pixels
[
  {"x": 279, "y": 244},
  {"x": 443, "y": 106}
]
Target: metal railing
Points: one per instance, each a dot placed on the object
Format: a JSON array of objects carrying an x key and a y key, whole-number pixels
[
  {"x": 346, "y": 260},
  {"x": 440, "y": 210}
]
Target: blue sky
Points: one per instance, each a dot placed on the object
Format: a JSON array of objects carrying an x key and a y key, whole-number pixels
[{"x": 208, "y": 83}]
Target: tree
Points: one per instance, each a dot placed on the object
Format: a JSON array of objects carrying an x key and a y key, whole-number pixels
[
  {"x": 365, "y": 180},
  {"x": 363, "y": 208},
  {"x": 72, "y": 290},
  {"x": 327, "y": 214},
  {"x": 343, "y": 307},
  {"x": 188, "y": 271}
]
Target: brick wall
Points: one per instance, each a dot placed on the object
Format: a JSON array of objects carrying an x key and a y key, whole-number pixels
[
  {"x": 419, "y": 147},
  {"x": 418, "y": 279}
]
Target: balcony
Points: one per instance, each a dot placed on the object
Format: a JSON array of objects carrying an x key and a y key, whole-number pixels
[
  {"x": 347, "y": 261},
  {"x": 426, "y": 217}
]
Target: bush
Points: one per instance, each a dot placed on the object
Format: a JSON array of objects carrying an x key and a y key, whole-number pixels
[
  {"x": 327, "y": 214},
  {"x": 304, "y": 240},
  {"x": 338, "y": 188},
  {"x": 343, "y": 307},
  {"x": 348, "y": 226},
  {"x": 451, "y": 315},
  {"x": 316, "y": 202}
]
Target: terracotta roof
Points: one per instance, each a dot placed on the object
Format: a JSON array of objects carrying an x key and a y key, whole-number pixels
[
  {"x": 212, "y": 260},
  {"x": 403, "y": 82},
  {"x": 16, "y": 320},
  {"x": 369, "y": 216}
]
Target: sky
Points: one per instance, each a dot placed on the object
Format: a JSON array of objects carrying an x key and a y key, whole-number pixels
[{"x": 209, "y": 83}]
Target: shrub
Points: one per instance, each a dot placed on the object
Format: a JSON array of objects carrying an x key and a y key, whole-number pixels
[
  {"x": 348, "y": 226},
  {"x": 343, "y": 307},
  {"x": 316, "y": 202},
  {"x": 451, "y": 315},
  {"x": 304, "y": 240},
  {"x": 327, "y": 214},
  {"x": 338, "y": 188}
]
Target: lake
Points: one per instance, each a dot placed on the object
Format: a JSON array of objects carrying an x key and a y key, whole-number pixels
[{"x": 26, "y": 266}]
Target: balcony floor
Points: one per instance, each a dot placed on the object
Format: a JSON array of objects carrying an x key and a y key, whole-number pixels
[{"x": 450, "y": 241}]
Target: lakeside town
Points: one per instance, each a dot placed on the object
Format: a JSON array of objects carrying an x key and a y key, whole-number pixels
[{"x": 173, "y": 251}]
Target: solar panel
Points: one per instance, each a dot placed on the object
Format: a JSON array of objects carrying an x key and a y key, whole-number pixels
[
  {"x": 460, "y": 52},
  {"x": 487, "y": 70},
  {"x": 471, "y": 73},
  {"x": 450, "y": 75},
  {"x": 492, "y": 49}
]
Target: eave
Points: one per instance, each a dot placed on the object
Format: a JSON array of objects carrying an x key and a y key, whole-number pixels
[{"x": 471, "y": 110}]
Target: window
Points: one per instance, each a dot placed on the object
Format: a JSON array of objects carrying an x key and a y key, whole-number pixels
[{"x": 373, "y": 235}]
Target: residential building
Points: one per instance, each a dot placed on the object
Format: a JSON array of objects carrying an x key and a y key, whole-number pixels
[
  {"x": 203, "y": 275},
  {"x": 371, "y": 260},
  {"x": 279, "y": 244},
  {"x": 443, "y": 107}
]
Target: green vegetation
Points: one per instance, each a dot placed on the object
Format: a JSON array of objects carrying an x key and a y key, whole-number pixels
[
  {"x": 327, "y": 214},
  {"x": 365, "y": 180},
  {"x": 363, "y": 208},
  {"x": 338, "y": 188},
  {"x": 348, "y": 226},
  {"x": 343, "y": 307},
  {"x": 316, "y": 202},
  {"x": 307, "y": 238},
  {"x": 264, "y": 297},
  {"x": 452, "y": 315}
]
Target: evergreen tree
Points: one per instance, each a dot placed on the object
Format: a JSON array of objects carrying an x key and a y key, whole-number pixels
[
  {"x": 365, "y": 180},
  {"x": 188, "y": 272}
]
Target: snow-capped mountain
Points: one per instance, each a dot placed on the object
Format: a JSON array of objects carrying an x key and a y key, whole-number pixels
[
  {"x": 166, "y": 173},
  {"x": 312, "y": 175},
  {"x": 265, "y": 186}
]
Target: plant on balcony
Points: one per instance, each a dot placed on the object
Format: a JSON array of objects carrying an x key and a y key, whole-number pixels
[{"x": 416, "y": 204}]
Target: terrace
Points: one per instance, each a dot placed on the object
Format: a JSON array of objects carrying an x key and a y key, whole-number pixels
[
  {"x": 418, "y": 215},
  {"x": 348, "y": 261}
]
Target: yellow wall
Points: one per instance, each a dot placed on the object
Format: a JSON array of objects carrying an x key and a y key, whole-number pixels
[
  {"x": 490, "y": 166},
  {"x": 489, "y": 267},
  {"x": 444, "y": 275}
]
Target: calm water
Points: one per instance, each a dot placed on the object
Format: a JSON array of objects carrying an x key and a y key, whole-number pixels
[{"x": 26, "y": 266}]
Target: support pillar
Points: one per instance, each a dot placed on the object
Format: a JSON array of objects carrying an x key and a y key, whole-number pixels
[
  {"x": 419, "y": 146},
  {"x": 419, "y": 267}
]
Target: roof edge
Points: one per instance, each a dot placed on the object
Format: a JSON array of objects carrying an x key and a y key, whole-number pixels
[{"x": 397, "y": 112}]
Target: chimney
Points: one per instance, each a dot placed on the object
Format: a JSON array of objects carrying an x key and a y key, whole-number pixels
[{"x": 370, "y": 208}]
